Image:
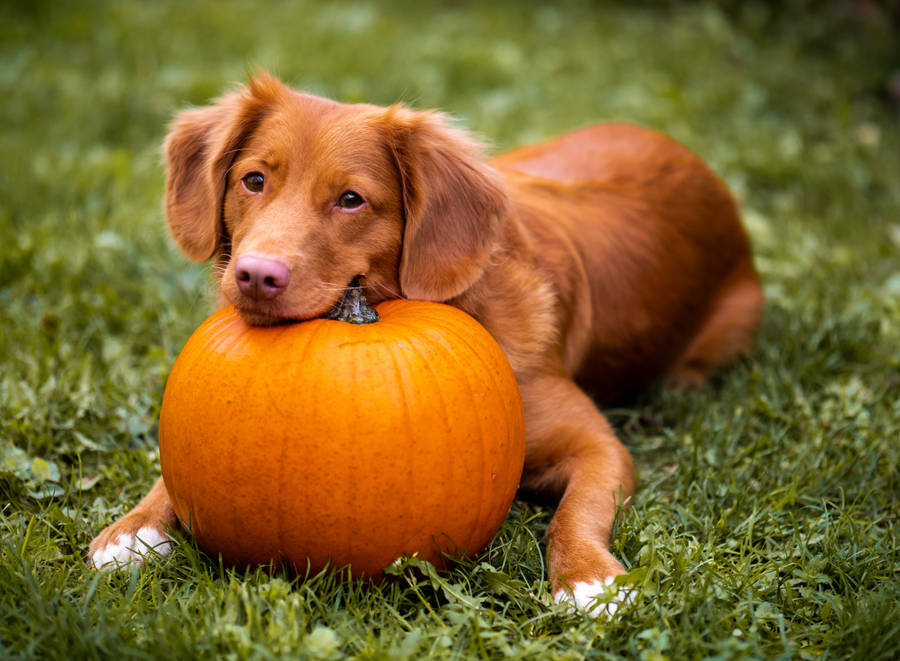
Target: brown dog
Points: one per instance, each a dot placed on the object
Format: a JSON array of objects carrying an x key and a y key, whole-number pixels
[{"x": 611, "y": 255}]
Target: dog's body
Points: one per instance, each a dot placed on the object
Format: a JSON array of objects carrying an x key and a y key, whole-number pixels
[{"x": 610, "y": 256}]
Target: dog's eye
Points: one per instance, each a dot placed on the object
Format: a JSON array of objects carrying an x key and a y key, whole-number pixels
[
  {"x": 350, "y": 200},
  {"x": 254, "y": 182}
]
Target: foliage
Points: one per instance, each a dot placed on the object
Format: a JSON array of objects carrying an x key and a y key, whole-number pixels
[{"x": 766, "y": 524}]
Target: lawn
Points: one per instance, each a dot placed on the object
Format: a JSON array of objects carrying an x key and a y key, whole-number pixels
[{"x": 766, "y": 521}]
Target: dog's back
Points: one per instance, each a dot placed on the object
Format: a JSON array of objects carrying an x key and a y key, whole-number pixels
[{"x": 661, "y": 247}]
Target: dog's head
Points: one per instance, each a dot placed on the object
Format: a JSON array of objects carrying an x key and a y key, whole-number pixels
[{"x": 295, "y": 195}]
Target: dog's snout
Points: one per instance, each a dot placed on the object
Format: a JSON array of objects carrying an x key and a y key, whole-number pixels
[{"x": 260, "y": 278}]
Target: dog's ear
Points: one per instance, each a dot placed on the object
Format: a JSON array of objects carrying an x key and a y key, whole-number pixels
[
  {"x": 201, "y": 146},
  {"x": 453, "y": 204}
]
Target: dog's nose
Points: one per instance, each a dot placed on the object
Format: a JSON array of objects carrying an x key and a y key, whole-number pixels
[{"x": 261, "y": 278}]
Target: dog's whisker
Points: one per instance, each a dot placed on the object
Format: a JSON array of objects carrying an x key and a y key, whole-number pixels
[
  {"x": 331, "y": 286},
  {"x": 333, "y": 289},
  {"x": 383, "y": 288}
]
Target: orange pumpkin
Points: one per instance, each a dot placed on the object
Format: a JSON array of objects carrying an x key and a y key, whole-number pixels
[{"x": 329, "y": 442}]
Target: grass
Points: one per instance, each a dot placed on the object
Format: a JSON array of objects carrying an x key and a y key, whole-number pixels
[{"x": 766, "y": 523}]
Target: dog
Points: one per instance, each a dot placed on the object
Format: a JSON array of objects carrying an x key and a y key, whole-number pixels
[{"x": 600, "y": 261}]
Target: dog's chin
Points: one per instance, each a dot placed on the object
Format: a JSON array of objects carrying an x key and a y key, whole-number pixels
[
  {"x": 260, "y": 316},
  {"x": 257, "y": 319}
]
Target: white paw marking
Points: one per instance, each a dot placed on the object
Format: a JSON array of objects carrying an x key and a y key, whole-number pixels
[
  {"x": 131, "y": 549},
  {"x": 596, "y": 597}
]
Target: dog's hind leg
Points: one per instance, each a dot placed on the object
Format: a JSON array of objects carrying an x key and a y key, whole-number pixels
[{"x": 727, "y": 332}]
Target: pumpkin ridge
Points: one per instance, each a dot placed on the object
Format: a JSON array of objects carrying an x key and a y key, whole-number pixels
[
  {"x": 220, "y": 336},
  {"x": 350, "y": 544},
  {"x": 480, "y": 346},
  {"x": 282, "y": 467},
  {"x": 191, "y": 367},
  {"x": 451, "y": 327},
  {"x": 483, "y": 512},
  {"x": 274, "y": 335},
  {"x": 425, "y": 364},
  {"x": 407, "y": 420},
  {"x": 176, "y": 469},
  {"x": 233, "y": 512},
  {"x": 512, "y": 407},
  {"x": 230, "y": 353},
  {"x": 485, "y": 434},
  {"x": 312, "y": 335}
]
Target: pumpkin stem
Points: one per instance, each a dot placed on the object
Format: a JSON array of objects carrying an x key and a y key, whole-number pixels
[{"x": 352, "y": 307}]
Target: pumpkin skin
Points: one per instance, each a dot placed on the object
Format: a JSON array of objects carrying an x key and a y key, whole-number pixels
[{"x": 328, "y": 443}]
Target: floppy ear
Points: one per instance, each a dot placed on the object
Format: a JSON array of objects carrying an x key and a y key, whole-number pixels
[
  {"x": 453, "y": 204},
  {"x": 201, "y": 147}
]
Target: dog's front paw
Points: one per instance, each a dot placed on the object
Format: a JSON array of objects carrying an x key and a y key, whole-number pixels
[
  {"x": 599, "y": 597},
  {"x": 124, "y": 543}
]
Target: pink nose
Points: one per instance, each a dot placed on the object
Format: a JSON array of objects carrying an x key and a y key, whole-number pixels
[{"x": 259, "y": 278}]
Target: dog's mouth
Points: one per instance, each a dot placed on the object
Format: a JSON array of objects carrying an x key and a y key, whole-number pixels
[{"x": 326, "y": 305}]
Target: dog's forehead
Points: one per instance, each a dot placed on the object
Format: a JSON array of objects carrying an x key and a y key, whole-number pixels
[{"x": 309, "y": 127}]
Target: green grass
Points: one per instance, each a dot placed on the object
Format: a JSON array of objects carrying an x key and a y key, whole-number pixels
[{"x": 766, "y": 523}]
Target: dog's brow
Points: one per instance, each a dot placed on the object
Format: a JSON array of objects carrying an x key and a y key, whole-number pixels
[{"x": 253, "y": 156}]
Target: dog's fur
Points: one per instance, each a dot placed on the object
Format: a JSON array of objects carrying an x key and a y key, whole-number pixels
[{"x": 610, "y": 256}]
